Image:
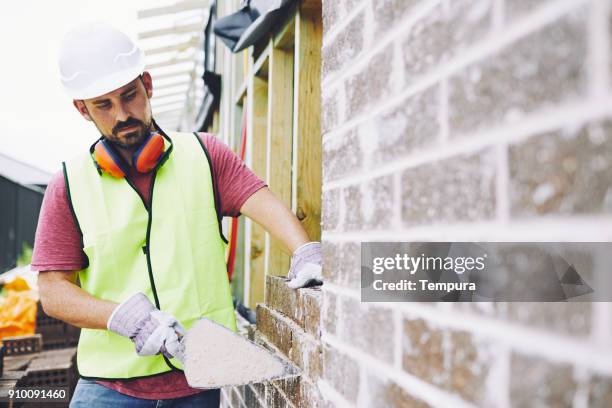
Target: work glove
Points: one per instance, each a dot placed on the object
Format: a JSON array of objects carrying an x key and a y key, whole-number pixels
[
  {"x": 306, "y": 264},
  {"x": 151, "y": 330}
]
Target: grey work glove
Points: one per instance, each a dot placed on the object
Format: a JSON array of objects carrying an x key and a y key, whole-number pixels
[
  {"x": 306, "y": 264},
  {"x": 151, "y": 330}
]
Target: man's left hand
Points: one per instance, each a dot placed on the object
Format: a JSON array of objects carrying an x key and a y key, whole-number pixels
[{"x": 306, "y": 266}]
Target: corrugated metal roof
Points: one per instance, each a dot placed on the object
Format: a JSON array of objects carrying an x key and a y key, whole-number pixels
[
  {"x": 172, "y": 38},
  {"x": 22, "y": 173}
]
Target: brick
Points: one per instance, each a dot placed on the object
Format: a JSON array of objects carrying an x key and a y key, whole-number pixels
[
  {"x": 259, "y": 390},
  {"x": 306, "y": 354},
  {"x": 369, "y": 205},
  {"x": 342, "y": 156},
  {"x": 274, "y": 329},
  {"x": 334, "y": 12},
  {"x": 290, "y": 388},
  {"x": 230, "y": 397},
  {"x": 274, "y": 398},
  {"x": 563, "y": 172},
  {"x": 444, "y": 32},
  {"x": 410, "y": 126},
  {"x": 422, "y": 351},
  {"x": 489, "y": 309},
  {"x": 310, "y": 307},
  {"x": 516, "y": 9},
  {"x": 572, "y": 318},
  {"x": 236, "y": 398},
  {"x": 343, "y": 48},
  {"x": 535, "y": 382},
  {"x": 251, "y": 331},
  {"x": 226, "y": 398},
  {"x": 331, "y": 114},
  {"x": 468, "y": 367},
  {"x": 290, "y": 340},
  {"x": 600, "y": 392},
  {"x": 342, "y": 263},
  {"x": 372, "y": 84},
  {"x": 330, "y": 211},
  {"x": 311, "y": 396},
  {"x": 367, "y": 328},
  {"x": 342, "y": 372},
  {"x": 522, "y": 78},
  {"x": 456, "y": 189},
  {"x": 350, "y": 5},
  {"x": 445, "y": 358},
  {"x": 352, "y": 197},
  {"x": 528, "y": 272},
  {"x": 251, "y": 397},
  {"x": 329, "y": 313},
  {"x": 389, "y": 13},
  {"x": 302, "y": 305},
  {"x": 331, "y": 13},
  {"x": 386, "y": 393},
  {"x": 280, "y": 297}
]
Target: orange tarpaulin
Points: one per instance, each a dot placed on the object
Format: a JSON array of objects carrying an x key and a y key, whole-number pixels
[{"x": 17, "y": 309}]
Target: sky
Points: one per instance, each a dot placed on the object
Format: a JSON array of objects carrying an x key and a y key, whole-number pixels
[{"x": 39, "y": 124}]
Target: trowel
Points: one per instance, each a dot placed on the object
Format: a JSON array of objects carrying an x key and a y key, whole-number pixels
[{"x": 215, "y": 357}]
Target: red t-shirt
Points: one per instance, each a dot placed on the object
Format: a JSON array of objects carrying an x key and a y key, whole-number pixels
[{"x": 57, "y": 246}]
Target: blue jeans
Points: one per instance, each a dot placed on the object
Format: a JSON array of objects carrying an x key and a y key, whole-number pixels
[{"x": 90, "y": 394}]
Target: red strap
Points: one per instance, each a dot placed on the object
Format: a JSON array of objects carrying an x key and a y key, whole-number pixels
[{"x": 234, "y": 226}]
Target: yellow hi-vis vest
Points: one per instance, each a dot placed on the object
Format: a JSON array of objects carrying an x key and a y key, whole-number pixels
[{"x": 173, "y": 252}]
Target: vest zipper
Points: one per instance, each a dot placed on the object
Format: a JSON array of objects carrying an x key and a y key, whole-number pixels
[
  {"x": 145, "y": 249},
  {"x": 147, "y": 252}
]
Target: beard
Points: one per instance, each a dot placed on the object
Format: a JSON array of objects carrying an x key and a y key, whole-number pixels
[{"x": 132, "y": 139}]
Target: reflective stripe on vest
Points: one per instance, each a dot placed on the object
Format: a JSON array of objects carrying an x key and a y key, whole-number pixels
[{"x": 173, "y": 253}]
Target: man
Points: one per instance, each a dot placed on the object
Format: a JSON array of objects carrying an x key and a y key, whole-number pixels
[{"x": 137, "y": 218}]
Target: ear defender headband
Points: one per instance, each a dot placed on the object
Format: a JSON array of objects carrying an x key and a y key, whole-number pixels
[{"x": 146, "y": 158}]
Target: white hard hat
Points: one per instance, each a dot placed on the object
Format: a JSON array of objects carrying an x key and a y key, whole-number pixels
[{"x": 96, "y": 58}]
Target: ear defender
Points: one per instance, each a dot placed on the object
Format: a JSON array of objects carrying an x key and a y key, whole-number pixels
[
  {"x": 109, "y": 160},
  {"x": 147, "y": 156},
  {"x": 145, "y": 159}
]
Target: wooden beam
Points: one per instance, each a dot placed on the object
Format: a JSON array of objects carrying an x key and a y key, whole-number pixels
[
  {"x": 280, "y": 124},
  {"x": 175, "y": 8},
  {"x": 258, "y": 103},
  {"x": 241, "y": 93},
  {"x": 187, "y": 28},
  {"x": 307, "y": 123},
  {"x": 260, "y": 67},
  {"x": 285, "y": 38},
  {"x": 311, "y": 7}
]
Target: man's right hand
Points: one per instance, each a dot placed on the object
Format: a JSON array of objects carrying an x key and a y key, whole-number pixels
[{"x": 151, "y": 330}]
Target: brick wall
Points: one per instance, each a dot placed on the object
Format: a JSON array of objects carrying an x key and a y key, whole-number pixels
[
  {"x": 449, "y": 120},
  {"x": 464, "y": 120},
  {"x": 288, "y": 323}
]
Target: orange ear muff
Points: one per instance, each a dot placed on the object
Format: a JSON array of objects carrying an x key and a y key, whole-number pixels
[
  {"x": 108, "y": 160},
  {"x": 147, "y": 156}
]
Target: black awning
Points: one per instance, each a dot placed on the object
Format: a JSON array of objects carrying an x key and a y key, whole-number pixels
[{"x": 251, "y": 23}]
